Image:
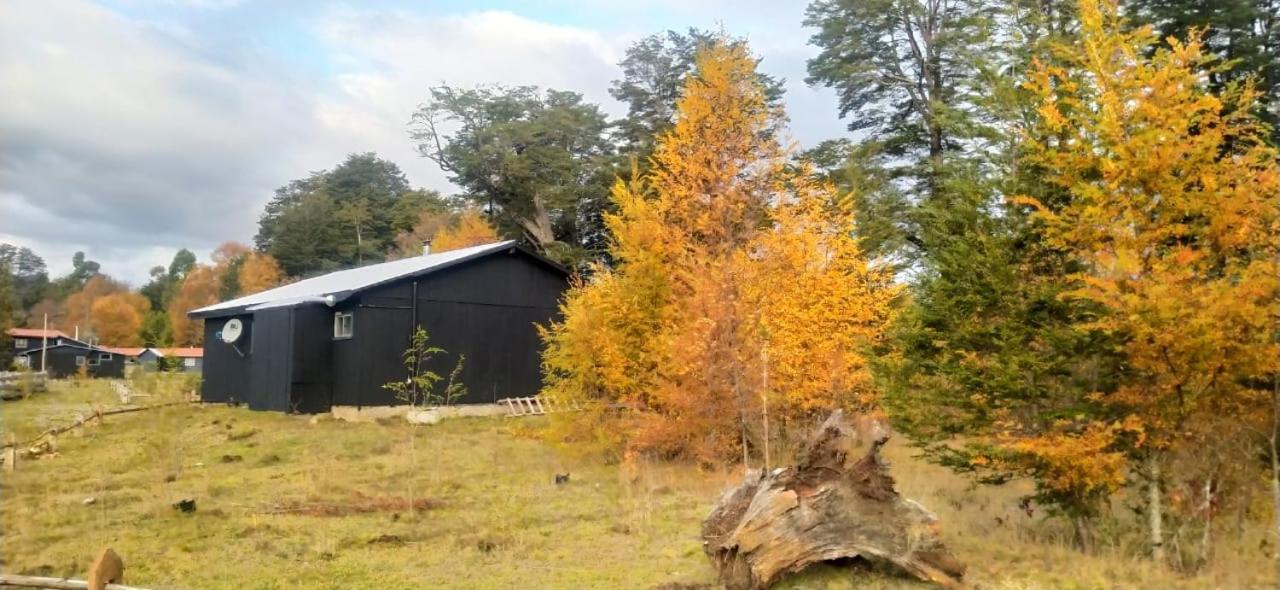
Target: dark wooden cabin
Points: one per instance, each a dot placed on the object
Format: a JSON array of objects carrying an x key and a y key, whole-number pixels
[
  {"x": 336, "y": 339},
  {"x": 66, "y": 359}
]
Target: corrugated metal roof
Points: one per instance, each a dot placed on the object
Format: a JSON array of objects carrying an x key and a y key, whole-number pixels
[
  {"x": 344, "y": 282},
  {"x": 36, "y": 333}
]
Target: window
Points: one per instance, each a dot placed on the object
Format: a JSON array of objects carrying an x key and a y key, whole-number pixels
[
  {"x": 106, "y": 356},
  {"x": 79, "y": 361},
  {"x": 19, "y": 342},
  {"x": 343, "y": 324},
  {"x": 189, "y": 362},
  {"x": 93, "y": 361}
]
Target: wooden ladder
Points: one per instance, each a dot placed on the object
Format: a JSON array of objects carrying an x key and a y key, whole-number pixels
[{"x": 535, "y": 406}]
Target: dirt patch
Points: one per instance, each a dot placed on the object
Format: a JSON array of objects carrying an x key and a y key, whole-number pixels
[{"x": 357, "y": 503}]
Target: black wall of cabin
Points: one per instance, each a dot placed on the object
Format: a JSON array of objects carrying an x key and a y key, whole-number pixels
[
  {"x": 484, "y": 309},
  {"x": 226, "y": 375},
  {"x": 62, "y": 362}
]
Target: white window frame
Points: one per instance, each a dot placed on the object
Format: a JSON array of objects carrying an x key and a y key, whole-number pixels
[
  {"x": 79, "y": 360},
  {"x": 19, "y": 342},
  {"x": 189, "y": 361},
  {"x": 104, "y": 356},
  {"x": 93, "y": 361},
  {"x": 344, "y": 325}
]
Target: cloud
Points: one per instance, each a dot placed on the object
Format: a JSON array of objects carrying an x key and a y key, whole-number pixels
[
  {"x": 132, "y": 134},
  {"x": 120, "y": 139}
]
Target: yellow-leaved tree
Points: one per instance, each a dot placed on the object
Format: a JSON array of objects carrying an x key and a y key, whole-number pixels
[
  {"x": 1173, "y": 211},
  {"x": 117, "y": 318},
  {"x": 259, "y": 272},
  {"x": 469, "y": 229},
  {"x": 737, "y": 292}
]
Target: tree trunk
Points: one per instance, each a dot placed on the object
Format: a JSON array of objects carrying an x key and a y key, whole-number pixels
[
  {"x": 838, "y": 502},
  {"x": 538, "y": 226},
  {"x": 1155, "y": 512},
  {"x": 1275, "y": 475},
  {"x": 1206, "y": 536}
]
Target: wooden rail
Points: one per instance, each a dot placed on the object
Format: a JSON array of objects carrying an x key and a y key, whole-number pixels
[
  {"x": 53, "y": 583},
  {"x": 535, "y": 406}
]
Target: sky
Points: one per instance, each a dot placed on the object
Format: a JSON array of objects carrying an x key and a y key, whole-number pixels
[{"x": 132, "y": 128}]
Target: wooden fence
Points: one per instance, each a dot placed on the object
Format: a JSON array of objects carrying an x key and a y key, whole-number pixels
[{"x": 14, "y": 385}]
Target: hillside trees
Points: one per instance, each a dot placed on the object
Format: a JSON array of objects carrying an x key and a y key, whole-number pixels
[
  {"x": 726, "y": 261},
  {"x": 8, "y": 314},
  {"x": 537, "y": 161},
  {"x": 28, "y": 274},
  {"x": 1173, "y": 211},
  {"x": 340, "y": 217}
]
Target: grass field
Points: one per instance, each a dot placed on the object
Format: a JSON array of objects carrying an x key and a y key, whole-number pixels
[{"x": 291, "y": 502}]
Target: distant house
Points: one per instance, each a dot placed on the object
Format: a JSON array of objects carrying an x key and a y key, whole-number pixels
[
  {"x": 68, "y": 356},
  {"x": 336, "y": 339},
  {"x": 186, "y": 360},
  {"x": 28, "y": 339}
]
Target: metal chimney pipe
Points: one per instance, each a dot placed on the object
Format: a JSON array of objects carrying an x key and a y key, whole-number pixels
[{"x": 426, "y": 248}]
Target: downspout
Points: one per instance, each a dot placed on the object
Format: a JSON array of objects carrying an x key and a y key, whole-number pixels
[{"x": 413, "y": 320}]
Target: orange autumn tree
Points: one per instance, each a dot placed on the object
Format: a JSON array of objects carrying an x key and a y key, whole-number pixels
[
  {"x": 738, "y": 289},
  {"x": 1173, "y": 212},
  {"x": 469, "y": 229},
  {"x": 259, "y": 272},
  {"x": 198, "y": 289},
  {"x": 117, "y": 318},
  {"x": 77, "y": 310}
]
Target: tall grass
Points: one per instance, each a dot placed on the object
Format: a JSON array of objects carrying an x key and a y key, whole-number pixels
[{"x": 265, "y": 483}]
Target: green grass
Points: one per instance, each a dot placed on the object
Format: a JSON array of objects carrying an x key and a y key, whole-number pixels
[{"x": 497, "y": 519}]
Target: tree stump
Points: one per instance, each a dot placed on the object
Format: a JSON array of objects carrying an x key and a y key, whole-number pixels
[{"x": 838, "y": 502}]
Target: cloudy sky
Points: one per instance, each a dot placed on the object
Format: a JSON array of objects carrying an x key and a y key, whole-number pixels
[{"x": 132, "y": 128}]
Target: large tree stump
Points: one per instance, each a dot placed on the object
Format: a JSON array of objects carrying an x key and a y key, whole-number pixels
[{"x": 838, "y": 502}]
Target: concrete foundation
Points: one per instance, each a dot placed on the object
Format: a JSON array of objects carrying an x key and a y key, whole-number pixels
[{"x": 420, "y": 415}]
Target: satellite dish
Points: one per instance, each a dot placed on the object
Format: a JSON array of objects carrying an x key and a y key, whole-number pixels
[{"x": 232, "y": 330}]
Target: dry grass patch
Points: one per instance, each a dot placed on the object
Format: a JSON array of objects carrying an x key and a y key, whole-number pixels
[{"x": 327, "y": 505}]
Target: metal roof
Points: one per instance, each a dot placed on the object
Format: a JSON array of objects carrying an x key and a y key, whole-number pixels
[{"x": 337, "y": 286}]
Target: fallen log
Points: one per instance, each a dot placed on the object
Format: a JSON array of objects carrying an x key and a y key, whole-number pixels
[
  {"x": 837, "y": 502},
  {"x": 17, "y": 581}
]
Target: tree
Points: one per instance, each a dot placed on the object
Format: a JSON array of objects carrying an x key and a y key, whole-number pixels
[
  {"x": 306, "y": 241},
  {"x": 684, "y": 328},
  {"x": 536, "y": 161},
  {"x": 198, "y": 289},
  {"x": 77, "y": 310},
  {"x": 909, "y": 77},
  {"x": 471, "y": 228},
  {"x": 29, "y": 275},
  {"x": 156, "y": 330},
  {"x": 118, "y": 318},
  {"x": 337, "y": 218},
  {"x": 1173, "y": 212},
  {"x": 258, "y": 272},
  {"x": 1243, "y": 34},
  {"x": 412, "y": 241},
  {"x": 82, "y": 269},
  {"x": 653, "y": 76},
  {"x": 165, "y": 280},
  {"x": 227, "y": 258},
  {"x": 8, "y": 314},
  {"x": 356, "y": 213}
]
